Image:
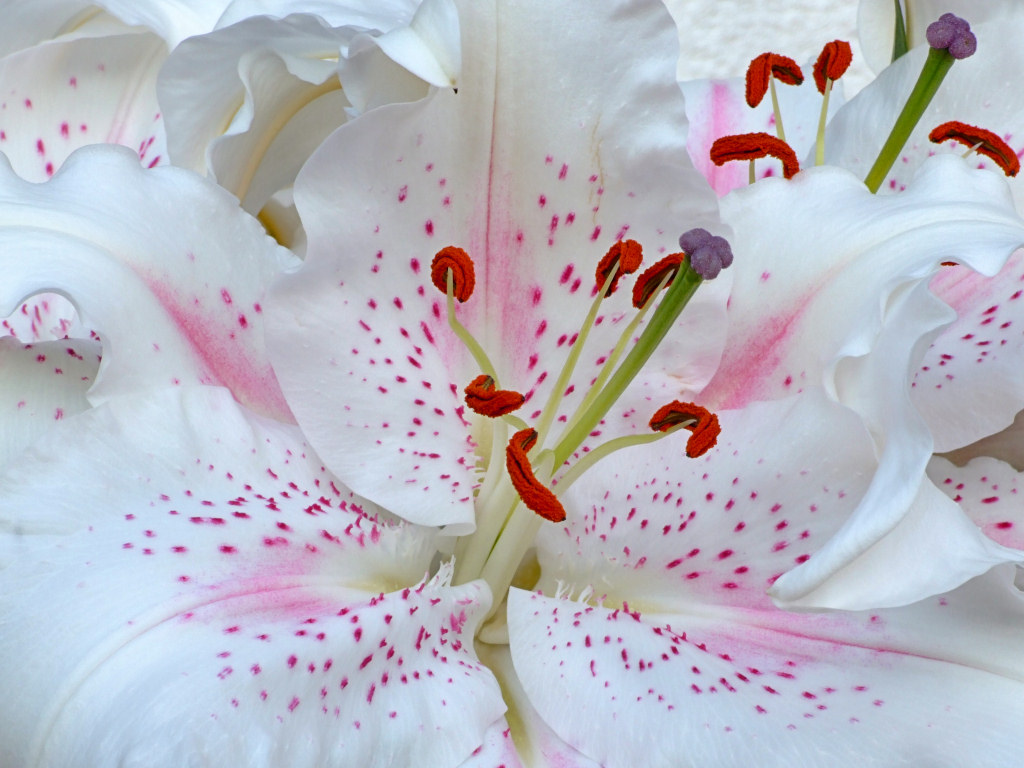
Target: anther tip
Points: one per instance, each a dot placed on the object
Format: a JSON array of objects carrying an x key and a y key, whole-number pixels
[
  {"x": 709, "y": 254},
  {"x": 954, "y": 34}
]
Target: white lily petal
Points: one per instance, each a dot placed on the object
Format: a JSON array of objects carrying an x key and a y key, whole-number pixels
[
  {"x": 988, "y": 490},
  {"x": 62, "y": 95},
  {"x": 41, "y": 384},
  {"x": 380, "y": 14},
  {"x": 535, "y": 202},
  {"x": 174, "y": 291},
  {"x": 429, "y": 47},
  {"x": 44, "y": 317},
  {"x": 215, "y": 596},
  {"x": 1006, "y": 445},
  {"x": 939, "y": 683},
  {"x": 257, "y": 77},
  {"x": 971, "y": 381}
]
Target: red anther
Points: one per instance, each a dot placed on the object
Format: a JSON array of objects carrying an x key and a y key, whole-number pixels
[
  {"x": 703, "y": 425},
  {"x": 763, "y": 68},
  {"x": 627, "y": 254},
  {"x": 487, "y": 400},
  {"x": 990, "y": 145},
  {"x": 648, "y": 282},
  {"x": 535, "y": 495},
  {"x": 833, "y": 62},
  {"x": 458, "y": 261},
  {"x": 751, "y": 146}
]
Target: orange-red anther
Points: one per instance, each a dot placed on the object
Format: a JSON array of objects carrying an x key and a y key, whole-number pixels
[
  {"x": 458, "y": 261},
  {"x": 833, "y": 62},
  {"x": 751, "y": 146},
  {"x": 703, "y": 425},
  {"x": 627, "y": 255},
  {"x": 982, "y": 141},
  {"x": 763, "y": 68},
  {"x": 484, "y": 398},
  {"x": 648, "y": 282},
  {"x": 535, "y": 495}
]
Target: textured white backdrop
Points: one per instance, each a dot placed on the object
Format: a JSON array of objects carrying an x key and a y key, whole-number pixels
[{"x": 719, "y": 37}]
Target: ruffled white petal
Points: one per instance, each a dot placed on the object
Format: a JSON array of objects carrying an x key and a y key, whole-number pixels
[{"x": 163, "y": 265}]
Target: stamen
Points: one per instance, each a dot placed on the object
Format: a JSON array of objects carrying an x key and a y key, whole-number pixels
[
  {"x": 461, "y": 266},
  {"x": 627, "y": 255},
  {"x": 751, "y": 146},
  {"x": 833, "y": 62},
  {"x": 699, "y": 420},
  {"x": 981, "y": 141},
  {"x": 950, "y": 39},
  {"x": 483, "y": 397},
  {"x": 651, "y": 280},
  {"x": 761, "y": 70},
  {"x": 535, "y": 495}
]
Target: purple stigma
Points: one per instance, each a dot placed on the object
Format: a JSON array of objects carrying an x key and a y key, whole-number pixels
[
  {"x": 954, "y": 34},
  {"x": 709, "y": 254}
]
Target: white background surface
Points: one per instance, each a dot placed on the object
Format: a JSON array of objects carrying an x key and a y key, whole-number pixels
[{"x": 718, "y": 38}]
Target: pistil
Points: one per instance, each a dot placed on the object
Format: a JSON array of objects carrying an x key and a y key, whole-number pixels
[{"x": 950, "y": 39}]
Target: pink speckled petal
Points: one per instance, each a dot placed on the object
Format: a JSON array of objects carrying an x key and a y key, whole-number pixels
[
  {"x": 209, "y": 595},
  {"x": 44, "y": 317},
  {"x": 41, "y": 384},
  {"x": 777, "y": 493},
  {"x": 971, "y": 381},
  {"x": 937, "y": 683},
  {"x": 538, "y": 746},
  {"x": 717, "y": 108},
  {"x": 162, "y": 264},
  {"x": 61, "y": 95},
  {"x": 535, "y": 177},
  {"x": 818, "y": 257},
  {"x": 989, "y": 491}
]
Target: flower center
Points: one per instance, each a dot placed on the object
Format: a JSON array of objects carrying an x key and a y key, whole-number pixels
[{"x": 520, "y": 491}]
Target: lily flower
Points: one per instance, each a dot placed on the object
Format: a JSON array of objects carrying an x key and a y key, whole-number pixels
[{"x": 209, "y": 548}]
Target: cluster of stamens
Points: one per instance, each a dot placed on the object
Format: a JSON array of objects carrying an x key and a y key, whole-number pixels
[
  {"x": 532, "y": 456},
  {"x": 950, "y": 39}
]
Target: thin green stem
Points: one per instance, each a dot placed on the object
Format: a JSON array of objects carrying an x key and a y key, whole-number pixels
[
  {"x": 751, "y": 173},
  {"x": 778, "y": 113},
  {"x": 590, "y": 459},
  {"x": 550, "y": 410},
  {"x": 935, "y": 68},
  {"x": 465, "y": 336},
  {"x": 676, "y": 297},
  {"x": 819, "y": 147},
  {"x": 899, "y": 39},
  {"x": 616, "y": 354}
]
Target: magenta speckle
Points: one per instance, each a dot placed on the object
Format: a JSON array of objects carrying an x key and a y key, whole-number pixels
[{"x": 428, "y": 227}]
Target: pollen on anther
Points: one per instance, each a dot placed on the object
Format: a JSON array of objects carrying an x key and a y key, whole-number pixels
[
  {"x": 461, "y": 266},
  {"x": 762, "y": 68},
  {"x": 483, "y": 397},
  {"x": 751, "y": 146},
  {"x": 535, "y": 495},
  {"x": 627, "y": 255},
  {"x": 982, "y": 141},
  {"x": 651, "y": 278},
  {"x": 833, "y": 62},
  {"x": 702, "y": 423}
]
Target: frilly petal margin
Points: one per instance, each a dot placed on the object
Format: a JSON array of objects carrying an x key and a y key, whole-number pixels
[
  {"x": 163, "y": 265},
  {"x": 842, "y": 273},
  {"x": 209, "y": 595}
]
